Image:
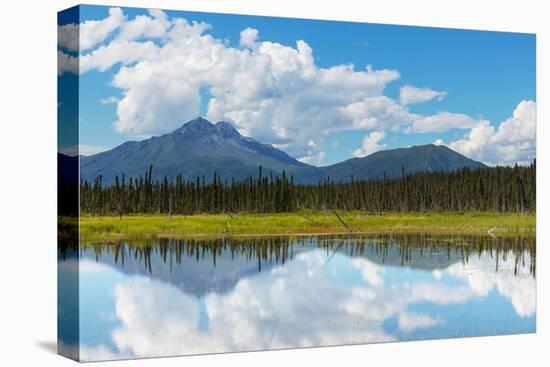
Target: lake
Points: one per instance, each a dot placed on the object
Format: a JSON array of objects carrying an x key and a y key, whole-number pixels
[{"x": 178, "y": 297}]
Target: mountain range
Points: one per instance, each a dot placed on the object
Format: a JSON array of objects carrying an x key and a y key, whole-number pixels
[{"x": 200, "y": 148}]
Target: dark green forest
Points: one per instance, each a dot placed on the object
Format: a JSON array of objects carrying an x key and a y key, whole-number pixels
[{"x": 491, "y": 189}]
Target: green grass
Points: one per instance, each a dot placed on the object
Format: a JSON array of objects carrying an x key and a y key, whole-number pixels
[{"x": 152, "y": 226}]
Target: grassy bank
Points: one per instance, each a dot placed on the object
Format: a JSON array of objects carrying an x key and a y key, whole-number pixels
[{"x": 152, "y": 226}]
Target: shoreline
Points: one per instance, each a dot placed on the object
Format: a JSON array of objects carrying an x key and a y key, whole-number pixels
[
  {"x": 410, "y": 231},
  {"x": 301, "y": 224}
]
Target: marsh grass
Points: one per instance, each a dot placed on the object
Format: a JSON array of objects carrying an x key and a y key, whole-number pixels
[{"x": 306, "y": 222}]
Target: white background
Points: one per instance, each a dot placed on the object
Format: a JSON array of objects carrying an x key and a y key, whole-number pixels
[{"x": 28, "y": 181}]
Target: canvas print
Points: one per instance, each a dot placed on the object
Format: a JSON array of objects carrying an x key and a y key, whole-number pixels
[{"x": 232, "y": 183}]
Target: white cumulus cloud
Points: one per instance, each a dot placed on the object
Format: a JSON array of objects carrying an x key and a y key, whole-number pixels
[
  {"x": 249, "y": 37},
  {"x": 444, "y": 121},
  {"x": 371, "y": 144},
  {"x": 514, "y": 141},
  {"x": 66, "y": 63},
  {"x": 272, "y": 92},
  {"x": 89, "y": 33},
  {"x": 409, "y": 94}
]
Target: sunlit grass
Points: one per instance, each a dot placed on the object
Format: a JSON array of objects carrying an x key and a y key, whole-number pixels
[{"x": 306, "y": 222}]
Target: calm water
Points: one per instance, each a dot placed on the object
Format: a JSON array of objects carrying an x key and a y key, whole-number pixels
[{"x": 187, "y": 297}]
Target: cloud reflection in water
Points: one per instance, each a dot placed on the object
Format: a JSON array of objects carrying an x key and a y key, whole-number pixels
[{"x": 315, "y": 299}]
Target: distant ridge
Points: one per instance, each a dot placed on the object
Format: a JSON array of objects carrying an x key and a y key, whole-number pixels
[
  {"x": 199, "y": 148},
  {"x": 419, "y": 158}
]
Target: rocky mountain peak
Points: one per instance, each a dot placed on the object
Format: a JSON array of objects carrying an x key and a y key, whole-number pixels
[{"x": 201, "y": 127}]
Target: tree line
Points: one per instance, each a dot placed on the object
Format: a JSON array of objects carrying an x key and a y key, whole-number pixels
[
  {"x": 492, "y": 189},
  {"x": 396, "y": 248}
]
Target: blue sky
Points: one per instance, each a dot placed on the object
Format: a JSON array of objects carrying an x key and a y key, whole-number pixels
[{"x": 483, "y": 76}]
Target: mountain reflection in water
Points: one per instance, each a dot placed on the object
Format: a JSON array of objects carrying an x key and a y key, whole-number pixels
[{"x": 172, "y": 297}]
